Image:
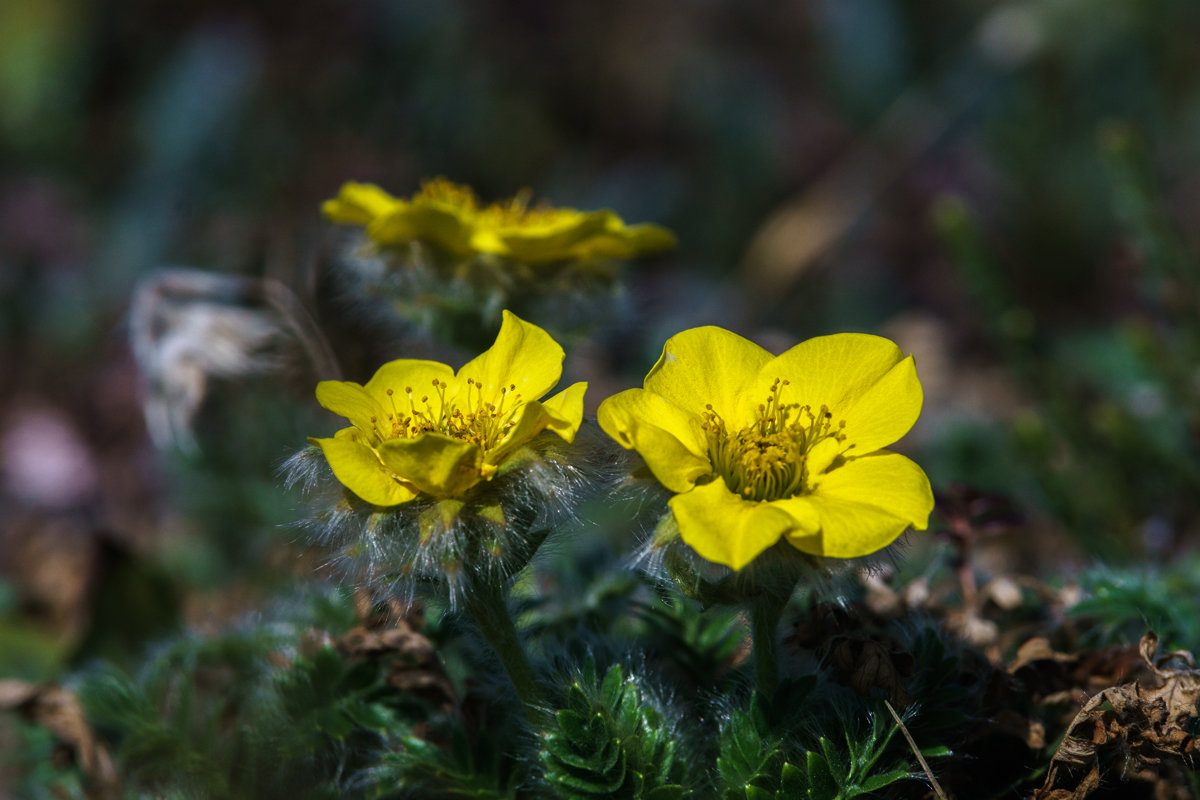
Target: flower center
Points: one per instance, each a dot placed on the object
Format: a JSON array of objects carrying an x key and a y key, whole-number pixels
[
  {"x": 516, "y": 212},
  {"x": 476, "y": 421},
  {"x": 768, "y": 459},
  {"x": 440, "y": 190}
]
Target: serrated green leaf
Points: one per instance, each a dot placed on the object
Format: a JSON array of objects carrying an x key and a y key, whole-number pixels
[
  {"x": 876, "y": 782},
  {"x": 577, "y": 700},
  {"x": 755, "y": 793},
  {"x": 667, "y": 792},
  {"x": 746, "y": 741},
  {"x": 579, "y": 728},
  {"x": 837, "y": 761},
  {"x": 793, "y": 782},
  {"x": 610, "y": 755},
  {"x": 634, "y": 782},
  {"x": 558, "y": 747},
  {"x": 610, "y": 688},
  {"x": 820, "y": 780},
  {"x": 604, "y": 783}
]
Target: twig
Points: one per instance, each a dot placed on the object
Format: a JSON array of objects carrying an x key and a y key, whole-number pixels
[{"x": 937, "y": 789}]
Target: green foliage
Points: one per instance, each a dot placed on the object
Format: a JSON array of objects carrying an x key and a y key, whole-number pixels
[
  {"x": 1126, "y": 603},
  {"x": 701, "y": 644},
  {"x": 416, "y": 767},
  {"x": 232, "y": 717},
  {"x": 329, "y": 698},
  {"x": 751, "y": 758},
  {"x": 611, "y": 741},
  {"x": 756, "y": 764},
  {"x": 1108, "y": 447},
  {"x": 40, "y": 776}
]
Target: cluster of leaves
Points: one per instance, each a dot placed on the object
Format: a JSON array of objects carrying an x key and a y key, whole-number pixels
[
  {"x": 611, "y": 741},
  {"x": 244, "y": 715},
  {"x": 271, "y": 711},
  {"x": 1128, "y": 602},
  {"x": 756, "y": 765}
]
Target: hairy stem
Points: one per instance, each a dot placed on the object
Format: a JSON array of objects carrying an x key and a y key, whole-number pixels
[
  {"x": 765, "y": 613},
  {"x": 486, "y": 604}
]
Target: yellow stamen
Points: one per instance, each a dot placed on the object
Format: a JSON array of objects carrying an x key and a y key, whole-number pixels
[{"x": 767, "y": 459}]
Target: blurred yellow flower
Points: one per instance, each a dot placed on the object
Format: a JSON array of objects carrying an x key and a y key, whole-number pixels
[
  {"x": 760, "y": 447},
  {"x": 419, "y": 428},
  {"x": 448, "y": 216}
]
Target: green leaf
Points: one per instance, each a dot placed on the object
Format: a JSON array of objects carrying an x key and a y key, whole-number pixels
[
  {"x": 821, "y": 783},
  {"x": 577, "y": 701},
  {"x": 583, "y": 731},
  {"x": 876, "y": 782},
  {"x": 838, "y": 762},
  {"x": 610, "y": 689},
  {"x": 793, "y": 782}
]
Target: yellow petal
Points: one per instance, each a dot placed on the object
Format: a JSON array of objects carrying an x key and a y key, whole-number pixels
[
  {"x": 806, "y": 520},
  {"x": 404, "y": 374},
  {"x": 555, "y": 240},
  {"x": 562, "y": 414},
  {"x": 885, "y": 411},
  {"x": 668, "y": 438},
  {"x": 565, "y": 411},
  {"x": 359, "y": 203},
  {"x": 524, "y": 355},
  {"x": 438, "y": 224},
  {"x": 533, "y": 418},
  {"x": 821, "y": 456},
  {"x": 866, "y": 503},
  {"x": 647, "y": 237},
  {"x": 835, "y": 371},
  {"x": 360, "y": 471},
  {"x": 351, "y": 401},
  {"x": 436, "y": 464},
  {"x": 722, "y": 527},
  {"x": 707, "y": 365},
  {"x": 352, "y": 434},
  {"x": 622, "y": 241}
]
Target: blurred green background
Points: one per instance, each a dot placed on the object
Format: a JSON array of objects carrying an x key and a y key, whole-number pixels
[{"x": 1008, "y": 189}]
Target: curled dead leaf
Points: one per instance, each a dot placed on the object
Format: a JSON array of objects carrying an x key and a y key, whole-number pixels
[{"x": 1127, "y": 729}]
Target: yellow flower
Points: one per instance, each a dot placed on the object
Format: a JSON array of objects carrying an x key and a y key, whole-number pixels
[
  {"x": 450, "y": 217},
  {"x": 760, "y": 447},
  {"x": 420, "y": 428}
]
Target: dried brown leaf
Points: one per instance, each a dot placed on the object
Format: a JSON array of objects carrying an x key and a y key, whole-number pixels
[
  {"x": 58, "y": 710},
  {"x": 1128, "y": 728}
]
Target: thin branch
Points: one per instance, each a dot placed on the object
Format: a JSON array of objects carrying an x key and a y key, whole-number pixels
[{"x": 937, "y": 789}]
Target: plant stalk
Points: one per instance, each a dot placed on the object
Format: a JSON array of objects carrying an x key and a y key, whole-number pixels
[
  {"x": 765, "y": 613},
  {"x": 485, "y": 602}
]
